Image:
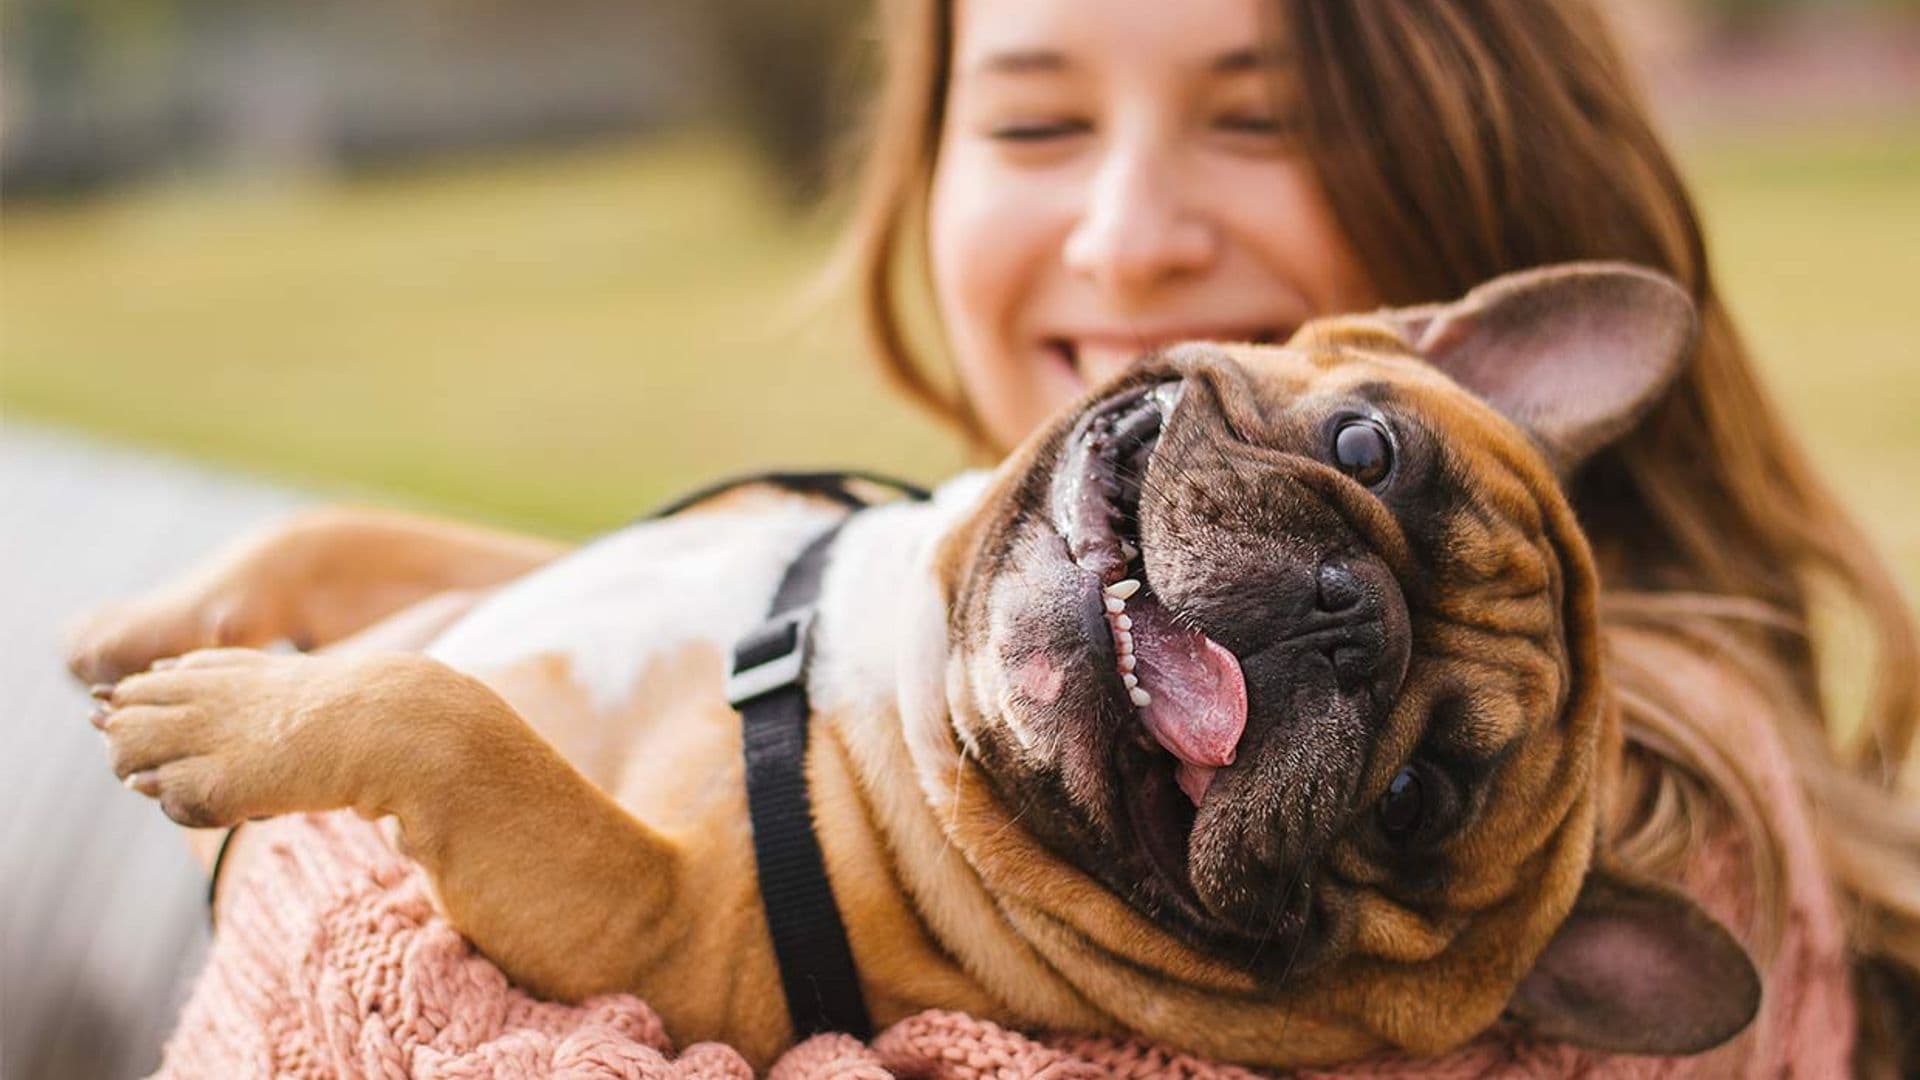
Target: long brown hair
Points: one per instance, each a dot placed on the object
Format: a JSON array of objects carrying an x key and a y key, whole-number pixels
[{"x": 1461, "y": 139}]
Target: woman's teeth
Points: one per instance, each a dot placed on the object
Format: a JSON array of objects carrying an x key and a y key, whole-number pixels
[{"x": 1115, "y": 597}]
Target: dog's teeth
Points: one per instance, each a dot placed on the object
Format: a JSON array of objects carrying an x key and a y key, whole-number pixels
[
  {"x": 1115, "y": 605},
  {"x": 1130, "y": 681},
  {"x": 1124, "y": 588},
  {"x": 1124, "y": 622},
  {"x": 1123, "y": 641},
  {"x": 1130, "y": 553},
  {"x": 1140, "y": 697},
  {"x": 1126, "y": 663}
]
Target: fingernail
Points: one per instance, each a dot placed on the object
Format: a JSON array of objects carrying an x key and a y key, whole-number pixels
[
  {"x": 100, "y": 691},
  {"x": 142, "y": 782},
  {"x": 163, "y": 663},
  {"x": 99, "y": 717}
]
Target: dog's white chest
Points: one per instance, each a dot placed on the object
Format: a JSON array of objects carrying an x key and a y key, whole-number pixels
[{"x": 611, "y": 606}]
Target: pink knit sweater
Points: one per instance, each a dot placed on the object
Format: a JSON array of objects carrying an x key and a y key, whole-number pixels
[{"x": 331, "y": 962}]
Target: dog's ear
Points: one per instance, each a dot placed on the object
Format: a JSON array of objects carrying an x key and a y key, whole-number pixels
[
  {"x": 1575, "y": 353},
  {"x": 1638, "y": 969}
]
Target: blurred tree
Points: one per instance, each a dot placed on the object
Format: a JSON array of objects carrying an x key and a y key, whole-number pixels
[
  {"x": 791, "y": 78},
  {"x": 98, "y": 92},
  {"x": 1741, "y": 15}
]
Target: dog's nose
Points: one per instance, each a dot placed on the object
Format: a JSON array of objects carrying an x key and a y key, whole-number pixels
[
  {"x": 1369, "y": 648},
  {"x": 1337, "y": 588}
]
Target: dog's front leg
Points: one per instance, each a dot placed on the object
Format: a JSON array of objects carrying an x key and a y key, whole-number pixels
[
  {"x": 313, "y": 579},
  {"x": 541, "y": 870}
]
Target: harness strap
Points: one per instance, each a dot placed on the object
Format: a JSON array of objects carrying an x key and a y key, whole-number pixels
[
  {"x": 830, "y": 484},
  {"x": 817, "y": 972}
]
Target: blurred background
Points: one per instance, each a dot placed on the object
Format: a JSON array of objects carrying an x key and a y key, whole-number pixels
[
  {"x": 546, "y": 264},
  {"x": 543, "y": 264}
]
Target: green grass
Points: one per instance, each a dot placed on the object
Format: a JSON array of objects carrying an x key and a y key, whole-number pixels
[
  {"x": 1816, "y": 241},
  {"x": 553, "y": 343},
  {"x": 558, "y": 342}
]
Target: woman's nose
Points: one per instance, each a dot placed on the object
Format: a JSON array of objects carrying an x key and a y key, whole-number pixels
[{"x": 1137, "y": 232}]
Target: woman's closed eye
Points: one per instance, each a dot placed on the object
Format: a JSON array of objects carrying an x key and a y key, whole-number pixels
[
  {"x": 1267, "y": 125},
  {"x": 1251, "y": 123},
  {"x": 1033, "y": 131},
  {"x": 1262, "y": 129}
]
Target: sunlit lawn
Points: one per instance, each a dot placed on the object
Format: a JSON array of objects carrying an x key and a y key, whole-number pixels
[
  {"x": 558, "y": 342},
  {"x": 1817, "y": 245},
  {"x": 555, "y": 343}
]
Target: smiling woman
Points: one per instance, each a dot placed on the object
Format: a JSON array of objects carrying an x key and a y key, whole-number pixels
[
  {"x": 1081, "y": 180},
  {"x": 1110, "y": 179}
]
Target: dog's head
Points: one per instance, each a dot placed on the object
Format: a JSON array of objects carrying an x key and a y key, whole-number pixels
[{"x": 1294, "y": 649}]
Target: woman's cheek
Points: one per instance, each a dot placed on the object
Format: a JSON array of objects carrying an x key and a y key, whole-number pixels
[
  {"x": 992, "y": 234},
  {"x": 1279, "y": 209},
  {"x": 984, "y": 238}
]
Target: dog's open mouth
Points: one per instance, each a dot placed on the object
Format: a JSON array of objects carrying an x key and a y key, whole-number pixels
[{"x": 1186, "y": 689}]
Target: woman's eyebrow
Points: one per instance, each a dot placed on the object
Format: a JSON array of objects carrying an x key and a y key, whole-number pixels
[
  {"x": 1030, "y": 61},
  {"x": 1022, "y": 61},
  {"x": 1250, "y": 58}
]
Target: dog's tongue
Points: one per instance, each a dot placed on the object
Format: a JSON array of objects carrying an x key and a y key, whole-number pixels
[{"x": 1199, "y": 699}]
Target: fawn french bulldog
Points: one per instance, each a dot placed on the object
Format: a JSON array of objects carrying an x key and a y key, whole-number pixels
[{"x": 1254, "y": 705}]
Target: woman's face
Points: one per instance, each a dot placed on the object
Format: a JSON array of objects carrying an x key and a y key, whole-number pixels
[{"x": 1113, "y": 177}]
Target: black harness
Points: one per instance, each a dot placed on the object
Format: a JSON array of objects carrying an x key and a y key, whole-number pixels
[{"x": 769, "y": 687}]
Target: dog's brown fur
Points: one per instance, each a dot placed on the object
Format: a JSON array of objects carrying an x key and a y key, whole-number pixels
[{"x": 585, "y": 848}]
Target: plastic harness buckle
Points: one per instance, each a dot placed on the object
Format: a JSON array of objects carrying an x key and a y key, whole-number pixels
[{"x": 772, "y": 657}]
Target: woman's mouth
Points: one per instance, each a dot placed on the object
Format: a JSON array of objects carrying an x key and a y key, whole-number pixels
[{"x": 1096, "y": 357}]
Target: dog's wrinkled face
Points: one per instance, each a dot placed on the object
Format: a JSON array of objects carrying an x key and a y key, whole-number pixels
[
  {"x": 1293, "y": 648},
  {"x": 1260, "y": 629}
]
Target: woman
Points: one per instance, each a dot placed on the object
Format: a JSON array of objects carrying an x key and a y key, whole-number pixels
[
  {"x": 1080, "y": 180},
  {"x": 1097, "y": 178}
]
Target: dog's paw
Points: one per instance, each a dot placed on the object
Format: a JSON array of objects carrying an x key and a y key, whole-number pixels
[
  {"x": 120, "y": 639},
  {"x": 222, "y": 735}
]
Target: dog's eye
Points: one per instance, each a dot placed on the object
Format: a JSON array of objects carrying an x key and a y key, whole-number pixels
[
  {"x": 1363, "y": 451},
  {"x": 1403, "y": 808},
  {"x": 1421, "y": 806}
]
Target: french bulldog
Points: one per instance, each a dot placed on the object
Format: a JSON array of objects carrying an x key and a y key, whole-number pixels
[{"x": 1254, "y": 705}]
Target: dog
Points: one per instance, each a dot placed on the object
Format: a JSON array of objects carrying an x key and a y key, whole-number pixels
[{"x": 1254, "y": 705}]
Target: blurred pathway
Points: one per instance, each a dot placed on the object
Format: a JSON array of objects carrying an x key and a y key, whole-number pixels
[{"x": 101, "y": 916}]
